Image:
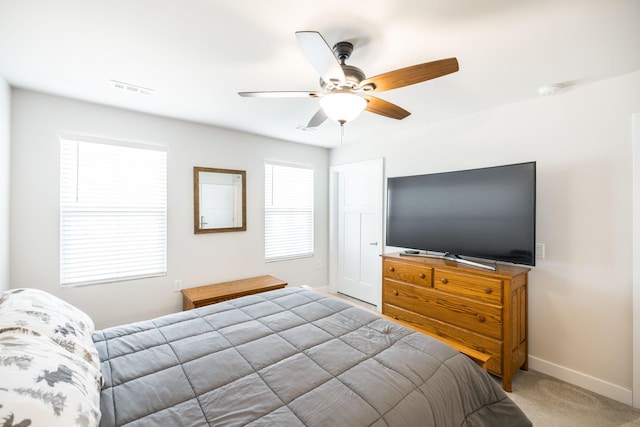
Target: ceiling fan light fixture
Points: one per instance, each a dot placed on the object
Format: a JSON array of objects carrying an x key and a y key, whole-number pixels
[{"x": 342, "y": 106}]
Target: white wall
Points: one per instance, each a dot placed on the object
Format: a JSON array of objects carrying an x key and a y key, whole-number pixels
[
  {"x": 5, "y": 154},
  {"x": 37, "y": 120},
  {"x": 580, "y": 310}
]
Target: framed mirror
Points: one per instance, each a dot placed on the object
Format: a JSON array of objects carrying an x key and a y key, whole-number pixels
[{"x": 219, "y": 200}]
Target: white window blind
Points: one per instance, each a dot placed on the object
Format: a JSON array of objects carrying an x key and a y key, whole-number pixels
[
  {"x": 288, "y": 212},
  {"x": 113, "y": 211}
]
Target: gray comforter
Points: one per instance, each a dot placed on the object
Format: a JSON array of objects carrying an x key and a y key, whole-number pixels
[{"x": 290, "y": 357}]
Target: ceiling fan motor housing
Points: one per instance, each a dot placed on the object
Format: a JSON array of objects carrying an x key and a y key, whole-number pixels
[{"x": 353, "y": 75}]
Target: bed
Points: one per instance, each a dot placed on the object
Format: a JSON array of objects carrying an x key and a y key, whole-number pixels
[{"x": 289, "y": 357}]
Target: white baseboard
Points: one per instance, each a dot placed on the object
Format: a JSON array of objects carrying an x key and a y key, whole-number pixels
[
  {"x": 324, "y": 289},
  {"x": 585, "y": 381}
]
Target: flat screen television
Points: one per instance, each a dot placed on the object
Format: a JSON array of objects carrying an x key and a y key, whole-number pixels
[{"x": 487, "y": 213}]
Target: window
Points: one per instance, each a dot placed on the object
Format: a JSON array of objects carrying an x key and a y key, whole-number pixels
[
  {"x": 288, "y": 212},
  {"x": 113, "y": 211}
]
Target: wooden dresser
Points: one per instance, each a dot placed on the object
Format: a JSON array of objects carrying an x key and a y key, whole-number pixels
[{"x": 481, "y": 309}]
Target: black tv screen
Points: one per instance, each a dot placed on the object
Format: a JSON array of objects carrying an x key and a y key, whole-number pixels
[{"x": 483, "y": 213}]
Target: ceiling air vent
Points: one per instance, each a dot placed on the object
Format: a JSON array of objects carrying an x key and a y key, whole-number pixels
[{"x": 132, "y": 88}]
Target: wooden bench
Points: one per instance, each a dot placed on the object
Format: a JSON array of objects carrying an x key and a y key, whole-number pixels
[{"x": 211, "y": 294}]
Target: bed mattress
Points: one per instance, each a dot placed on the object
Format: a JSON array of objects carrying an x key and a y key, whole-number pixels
[{"x": 290, "y": 357}]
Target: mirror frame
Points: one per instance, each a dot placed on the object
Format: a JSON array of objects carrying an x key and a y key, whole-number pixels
[{"x": 196, "y": 200}]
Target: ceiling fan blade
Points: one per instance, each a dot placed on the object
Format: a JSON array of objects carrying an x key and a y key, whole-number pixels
[
  {"x": 410, "y": 75},
  {"x": 281, "y": 94},
  {"x": 321, "y": 56},
  {"x": 318, "y": 118},
  {"x": 385, "y": 108}
]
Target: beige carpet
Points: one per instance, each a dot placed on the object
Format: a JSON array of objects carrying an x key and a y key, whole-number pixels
[{"x": 549, "y": 402}]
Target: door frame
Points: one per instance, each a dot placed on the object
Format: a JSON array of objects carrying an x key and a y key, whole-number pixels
[
  {"x": 635, "y": 212},
  {"x": 334, "y": 182}
]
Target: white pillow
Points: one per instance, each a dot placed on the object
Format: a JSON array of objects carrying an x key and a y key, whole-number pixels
[
  {"x": 46, "y": 385},
  {"x": 49, "y": 366},
  {"x": 35, "y": 312}
]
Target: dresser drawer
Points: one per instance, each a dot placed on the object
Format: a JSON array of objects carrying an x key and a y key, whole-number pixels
[
  {"x": 476, "y": 287},
  {"x": 416, "y": 274},
  {"x": 405, "y": 295},
  {"x": 435, "y": 327},
  {"x": 481, "y": 318}
]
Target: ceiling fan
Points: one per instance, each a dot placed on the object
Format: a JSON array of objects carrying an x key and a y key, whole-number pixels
[{"x": 345, "y": 89}]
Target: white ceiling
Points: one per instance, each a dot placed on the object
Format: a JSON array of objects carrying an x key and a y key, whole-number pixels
[{"x": 197, "y": 54}]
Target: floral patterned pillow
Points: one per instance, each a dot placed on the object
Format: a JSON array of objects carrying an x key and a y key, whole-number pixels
[{"x": 49, "y": 368}]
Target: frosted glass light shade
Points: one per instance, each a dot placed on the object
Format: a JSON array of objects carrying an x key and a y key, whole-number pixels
[{"x": 342, "y": 107}]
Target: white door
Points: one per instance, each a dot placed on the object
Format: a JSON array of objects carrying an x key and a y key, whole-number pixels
[{"x": 357, "y": 229}]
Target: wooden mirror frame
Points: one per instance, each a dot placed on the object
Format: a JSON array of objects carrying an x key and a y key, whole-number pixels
[{"x": 197, "y": 170}]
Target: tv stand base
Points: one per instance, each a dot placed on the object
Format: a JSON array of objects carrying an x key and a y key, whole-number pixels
[{"x": 451, "y": 257}]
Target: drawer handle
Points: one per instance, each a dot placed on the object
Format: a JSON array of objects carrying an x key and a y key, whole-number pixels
[
  {"x": 395, "y": 292},
  {"x": 481, "y": 318},
  {"x": 392, "y": 269},
  {"x": 488, "y": 290},
  {"x": 444, "y": 280},
  {"x": 422, "y": 276}
]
